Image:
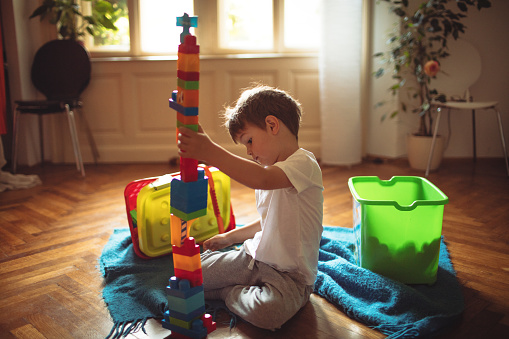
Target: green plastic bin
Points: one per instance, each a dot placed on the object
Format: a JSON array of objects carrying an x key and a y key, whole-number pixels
[{"x": 397, "y": 226}]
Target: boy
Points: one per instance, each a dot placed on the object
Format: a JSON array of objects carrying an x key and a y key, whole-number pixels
[{"x": 273, "y": 274}]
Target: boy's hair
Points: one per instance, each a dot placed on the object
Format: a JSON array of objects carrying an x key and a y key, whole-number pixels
[{"x": 256, "y": 103}]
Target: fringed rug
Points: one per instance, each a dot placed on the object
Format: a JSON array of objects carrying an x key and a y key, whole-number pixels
[{"x": 134, "y": 289}]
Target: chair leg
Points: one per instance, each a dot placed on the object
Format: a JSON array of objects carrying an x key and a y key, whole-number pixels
[
  {"x": 433, "y": 142},
  {"x": 41, "y": 138},
  {"x": 502, "y": 138},
  {"x": 75, "y": 141},
  {"x": 15, "y": 130},
  {"x": 90, "y": 137},
  {"x": 473, "y": 135}
]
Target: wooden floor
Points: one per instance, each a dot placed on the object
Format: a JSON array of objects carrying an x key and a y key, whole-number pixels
[{"x": 52, "y": 235}]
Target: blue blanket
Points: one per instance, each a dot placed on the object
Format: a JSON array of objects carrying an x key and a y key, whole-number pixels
[
  {"x": 135, "y": 289},
  {"x": 395, "y": 309}
]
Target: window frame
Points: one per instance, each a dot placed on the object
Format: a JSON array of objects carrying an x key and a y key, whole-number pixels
[{"x": 207, "y": 33}]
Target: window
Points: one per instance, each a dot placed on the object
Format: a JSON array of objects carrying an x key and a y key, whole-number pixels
[
  {"x": 158, "y": 30},
  {"x": 246, "y": 25},
  {"x": 147, "y": 27}
]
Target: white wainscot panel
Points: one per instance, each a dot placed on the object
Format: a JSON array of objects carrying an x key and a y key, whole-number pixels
[
  {"x": 240, "y": 80},
  {"x": 103, "y": 104},
  {"x": 305, "y": 88},
  {"x": 152, "y": 92}
]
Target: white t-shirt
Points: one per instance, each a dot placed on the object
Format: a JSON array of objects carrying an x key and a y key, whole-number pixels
[{"x": 291, "y": 219}]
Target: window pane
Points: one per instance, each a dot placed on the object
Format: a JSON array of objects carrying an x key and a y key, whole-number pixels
[
  {"x": 107, "y": 39},
  {"x": 300, "y": 28},
  {"x": 158, "y": 30},
  {"x": 246, "y": 24}
]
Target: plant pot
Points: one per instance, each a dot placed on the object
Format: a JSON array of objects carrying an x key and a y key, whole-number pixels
[{"x": 418, "y": 148}]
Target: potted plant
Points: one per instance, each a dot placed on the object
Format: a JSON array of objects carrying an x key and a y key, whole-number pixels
[
  {"x": 72, "y": 23},
  {"x": 416, "y": 48}
]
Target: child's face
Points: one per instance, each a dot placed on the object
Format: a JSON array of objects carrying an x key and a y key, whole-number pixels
[{"x": 259, "y": 144}]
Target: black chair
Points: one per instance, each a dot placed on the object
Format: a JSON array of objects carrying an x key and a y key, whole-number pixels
[{"x": 61, "y": 71}]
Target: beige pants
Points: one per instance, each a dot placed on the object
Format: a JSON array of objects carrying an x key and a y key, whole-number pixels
[{"x": 253, "y": 290}]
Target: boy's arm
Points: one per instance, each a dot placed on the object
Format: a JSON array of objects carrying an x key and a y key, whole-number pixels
[
  {"x": 249, "y": 173},
  {"x": 235, "y": 236}
]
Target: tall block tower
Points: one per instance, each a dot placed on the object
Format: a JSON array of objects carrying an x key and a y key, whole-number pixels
[{"x": 186, "y": 316}]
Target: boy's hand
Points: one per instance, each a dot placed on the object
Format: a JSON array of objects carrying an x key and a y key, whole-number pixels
[
  {"x": 217, "y": 242},
  {"x": 196, "y": 145}
]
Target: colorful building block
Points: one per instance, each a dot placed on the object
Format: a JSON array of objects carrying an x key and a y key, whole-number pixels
[
  {"x": 189, "y": 46},
  {"x": 188, "y": 169},
  {"x": 188, "y": 62},
  {"x": 186, "y": 305},
  {"x": 188, "y": 200},
  {"x": 188, "y": 248},
  {"x": 188, "y": 197},
  {"x": 197, "y": 331},
  {"x": 188, "y": 111},
  {"x": 179, "y": 230},
  {"x": 185, "y": 84},
  {"x": 186, "y": 22},
  {"x": 209, "y": 324},
  {"x": 187, "y": 120},
  {"x": 193, "y": 127},
  {"x": 181, "y": 288},
  {"x": 187, "y": 263},
  {"x": 188, "y": 97},
  {"x": 188, "y": 76},
  {"x": 186, "y": 316},
  {"x": 195, "y": 278}
]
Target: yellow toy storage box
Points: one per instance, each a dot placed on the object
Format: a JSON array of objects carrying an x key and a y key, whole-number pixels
[{"x": 148, "y": 212}]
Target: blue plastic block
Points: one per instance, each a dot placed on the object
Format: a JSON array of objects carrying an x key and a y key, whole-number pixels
[
  {"x": 187, "y": 111},
  {"x": 188, "y": 305},
  {"x": 185, "y": 316},
  {"x": 186, "y": 20},
  {"x": 191, "y": 196},
  {"x": 198, "y": 331},
  {"x": 181, "y": 288}
]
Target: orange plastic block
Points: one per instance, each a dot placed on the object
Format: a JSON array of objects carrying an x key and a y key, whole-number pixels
[
  {"x": 188, "y": 62},
  {"x": 187, "y": 263},
  {"x": 187, "y": 120},
  {"x": 188, "y": 97}
]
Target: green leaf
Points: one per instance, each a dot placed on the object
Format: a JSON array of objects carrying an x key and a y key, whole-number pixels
[
  {"x": 380, "y": 72},
  {"x": 462, "y": 6},
  {"x": 41, "y": 10}
]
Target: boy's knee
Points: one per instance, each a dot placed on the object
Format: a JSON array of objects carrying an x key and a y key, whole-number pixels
[{"x": 266, "y": 314}]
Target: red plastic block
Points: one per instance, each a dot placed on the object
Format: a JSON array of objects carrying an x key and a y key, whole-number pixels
[
  {"x": 188, "y": 76},
  {"x": 208, "y": 323},
  {"x": 195, "y": 278},
  {"x": 188, "y": 169},
  {"x": 189, "y": 46},
  {"x": 189, "y": 248}
]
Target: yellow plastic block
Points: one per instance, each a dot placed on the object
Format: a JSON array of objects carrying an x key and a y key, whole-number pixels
[
  {"x": 184, "y": 262},
  {"x": 153, "y": 211},
  {"x": 188, "y": 62}
]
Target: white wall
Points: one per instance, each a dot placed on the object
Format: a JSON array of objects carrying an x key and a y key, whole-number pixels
[
  {"x": 485, "y": 33},
  {"x": 126, "y": 102}
]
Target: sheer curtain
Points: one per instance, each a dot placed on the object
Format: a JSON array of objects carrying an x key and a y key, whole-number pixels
[{"x": 340, "y": 81}]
